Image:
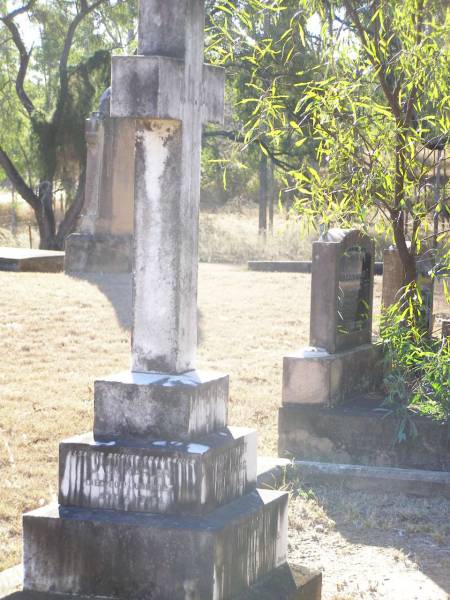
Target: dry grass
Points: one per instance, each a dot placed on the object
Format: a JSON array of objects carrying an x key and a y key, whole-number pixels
[
  {"x": 232, "y": 237},
  {"x": 373, "y": 546},
  {"x": 58, "y": 334},
  {"x": 18, "y": 236},
  {"x": 228, "y": 237}
]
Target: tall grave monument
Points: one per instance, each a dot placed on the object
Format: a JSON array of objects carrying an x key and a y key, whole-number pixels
[
  {"x": 103, "y": 242},
  {"x": 341, "y": 361},
  {"x": 160, "y": 502}
]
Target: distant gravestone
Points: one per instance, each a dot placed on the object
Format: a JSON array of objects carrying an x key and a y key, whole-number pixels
[
  {"x": 103, "y": 242},
  {"x": 160, "y": 502},
  {"x": 340, "y": 361},
  {"x": 425, "y": 283}
]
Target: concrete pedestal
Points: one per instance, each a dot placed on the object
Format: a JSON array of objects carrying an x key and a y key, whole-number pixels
[
  {"x": 160, "y": 406},
  {"x": 115, "y": 554},
  {"x": 313, "y": 376},
  {"x": 160, "y": 503},
  {"x": 288, "y": 582},
  {"x": 357, "y": 435},
  {"x": 158, "y": 477}
]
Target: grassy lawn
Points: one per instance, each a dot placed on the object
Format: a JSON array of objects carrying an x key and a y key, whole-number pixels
[{"x": 59, "y": 333}]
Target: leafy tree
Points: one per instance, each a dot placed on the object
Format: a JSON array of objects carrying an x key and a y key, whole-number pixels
[
  {"x": 376, "y": 111},
  {"x": 51, "y": 84},
  {"x": 244, "y": 37}
]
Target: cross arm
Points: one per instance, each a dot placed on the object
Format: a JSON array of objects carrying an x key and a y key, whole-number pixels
[{"x": 154, "y": 87}]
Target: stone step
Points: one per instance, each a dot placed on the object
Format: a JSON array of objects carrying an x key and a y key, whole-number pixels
[
  {"x": 134, "y": 555},
  {"x": 159, "y": 406},
  {"x": 160, "y": 476},
  {"x": 288, "y": 582}
]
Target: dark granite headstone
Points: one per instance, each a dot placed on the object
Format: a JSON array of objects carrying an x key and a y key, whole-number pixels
[{"x": 342, "y": 290}]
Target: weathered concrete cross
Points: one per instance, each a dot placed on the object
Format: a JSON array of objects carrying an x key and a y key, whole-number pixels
[{"x": 171, "y": 93}]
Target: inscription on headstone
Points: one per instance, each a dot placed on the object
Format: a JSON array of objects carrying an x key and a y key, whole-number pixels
[{"x": 353, "y": 299}]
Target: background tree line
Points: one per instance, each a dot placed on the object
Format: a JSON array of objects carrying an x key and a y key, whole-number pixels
[
  {"x": 343, "y": 104},
  {"x": 350, "y": 100},
  {"x": 54, "y": 64}
]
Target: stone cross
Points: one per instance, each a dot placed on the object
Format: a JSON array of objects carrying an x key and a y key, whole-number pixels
[{"x": 170, "y": 93}]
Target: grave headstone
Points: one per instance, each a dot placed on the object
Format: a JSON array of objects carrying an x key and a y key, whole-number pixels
[
  {"x": 342, "y": 290},
  {"x": 446, "y": 329},
  {"x": 159, "y": 503},
  {"x": 340, "y": 361},
  {"x": 103, "y": 242}
]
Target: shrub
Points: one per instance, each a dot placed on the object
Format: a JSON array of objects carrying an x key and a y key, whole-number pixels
[{"x": 417, "y": 366}]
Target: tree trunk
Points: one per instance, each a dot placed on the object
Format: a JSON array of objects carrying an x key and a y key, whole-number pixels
[
  {"x": 263, "y": 188},
  {"x": 69, "y": 222},
  {"x": 407, "y": 255},
  {"x": 45, "y": 217},
  {"x": 13, "y": 211},
  {"x": 271, "y": 194}
]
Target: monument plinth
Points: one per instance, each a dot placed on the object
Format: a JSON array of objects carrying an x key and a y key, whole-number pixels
[
  {"x": 160, "y": 502},
  {"x": 341, "y": 359}
]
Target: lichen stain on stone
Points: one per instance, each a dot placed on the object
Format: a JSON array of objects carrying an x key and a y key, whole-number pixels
[
  {"x": 128, "y": 482},
  {"x": 226, "y": 476},
  {"x": 191, "y": 590},
  {"x": 208, "y": 410},
  {"x": 257, "y": 540}
]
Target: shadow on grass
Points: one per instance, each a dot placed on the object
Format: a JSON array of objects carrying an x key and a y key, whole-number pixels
[{"x": 117, "y": 287}]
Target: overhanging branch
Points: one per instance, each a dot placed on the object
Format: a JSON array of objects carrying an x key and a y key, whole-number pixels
[
  {"x": 24, "y": 54},
  {"x": 234, "y": 136},
  {"x": 17, "y": 180}
]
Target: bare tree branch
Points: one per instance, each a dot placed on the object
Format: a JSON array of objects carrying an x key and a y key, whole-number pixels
[
  {"x": 409, "y": 113},
  {"x": 63, "y": 71},
  {"x": 17, "y": 180},
  {"x": 377, "y": 63},
  {"x": 25, "y": 55}
]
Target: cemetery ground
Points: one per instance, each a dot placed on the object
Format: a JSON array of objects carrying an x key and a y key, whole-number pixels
[{"x": 59, "y": 333}]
